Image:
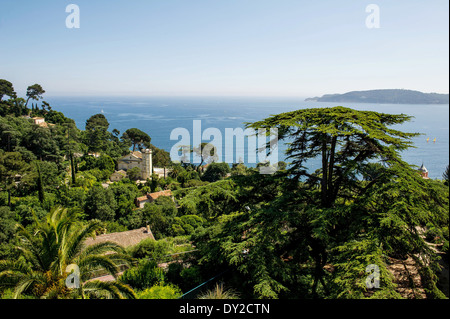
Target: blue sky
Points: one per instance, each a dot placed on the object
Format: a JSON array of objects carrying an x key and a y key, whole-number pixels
[{"x": 224, "y": 47}]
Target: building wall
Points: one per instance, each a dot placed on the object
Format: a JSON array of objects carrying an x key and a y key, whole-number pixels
[
  {"x": 115, "y": 177},
  {"x": 128, "y": 162},
  {"x": 145, "y": 164},
  {"x": 141, "y": 203}
]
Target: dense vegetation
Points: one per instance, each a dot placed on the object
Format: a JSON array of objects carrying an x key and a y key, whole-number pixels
[{"x": 294, "y": 234}]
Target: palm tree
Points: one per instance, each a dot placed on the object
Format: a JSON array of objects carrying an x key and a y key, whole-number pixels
[{"x": 53, "y": 245}]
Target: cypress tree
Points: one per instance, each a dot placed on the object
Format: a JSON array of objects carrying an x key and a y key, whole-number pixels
[{"x": 72, "y": 166}]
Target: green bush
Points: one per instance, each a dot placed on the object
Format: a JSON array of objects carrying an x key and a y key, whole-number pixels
[
  {"x": 216, "y": 171},
  {"x": 177, "y": 229},
  {"x": 186, "y": 278},
  {"x": 195, "y": 183},
  {"x": 186, "y": 225},
  {"x": 149, "y": 248},
  {"x": 191, "y": 276},
  {"x": 114, "y": 227},
  {"x": 433, "y": 234},
  {"x": 146, "y": 274},
  {"x": 9, "y": 294},
  {"x": 161, "y": 291}
]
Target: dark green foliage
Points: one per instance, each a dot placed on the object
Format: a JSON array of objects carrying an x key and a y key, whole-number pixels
[
  {"x": 238, "y": 169},
  {"x": 124, "y": 195},
  {"x": 348, "y": 278},
  {"x": 137, "y": 138},
  {"x": 12, "y": 169},
  {"x": 216, "y": 171},
  {"x": 160, "y": 157},
  {"x": 134, "y": 173},
  {"x": 96, "y": 133},
  {"x": 186, "y": 224},
  {"x": 145, "y": 275},
  {"x": 39, "y": 141},
  {"x": 40, "y": 184},
  {"x": 56, "y": 117},
  {"x": 100, "y": 204},
  {"x": 6, "y": 88},
  {"x": 72, "y": 196},
  {"x": 101, "y": 167},
  {"x": 209, "y": 201},
  {"x": 7, "y": 231},
  {"x": 34, "y": 92},
  {"x": 286, "y": 231},
  {"x": 345, "y": 140},
  {"x": 184, "y": 277},
  {"x": 159, "y": 215},
  {"x": 151, "y": 249}
]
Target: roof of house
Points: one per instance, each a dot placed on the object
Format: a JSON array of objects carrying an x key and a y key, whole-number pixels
[
  {"x": 154, "y": 195},
  {"x": 125, "y": 239},
  {"x": 137, "y": 154},
  {"x": 120, "y": 172},
  {"x": 161, "y": 193},
  {"x": 142, "y": 198}
]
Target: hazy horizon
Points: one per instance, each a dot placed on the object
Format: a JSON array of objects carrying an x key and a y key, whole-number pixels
[{"x": 143, "y": 95}]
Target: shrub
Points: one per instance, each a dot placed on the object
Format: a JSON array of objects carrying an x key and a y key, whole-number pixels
[
  {"x": 161, "y": 291},
  {"x": 216, "y": 171},
  {"x": 186, "y": 224},
  {"x": 150, "y": 248},
  {"x": 185, "y": 278},
  {"x": 433, "y": 234},
  {"x": 146, "y": 274}
]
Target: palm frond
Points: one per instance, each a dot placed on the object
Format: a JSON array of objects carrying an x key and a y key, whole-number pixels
[
  {"x": 109, "y": 289},
  {"x": 96, "y": 262},
  {"x": 75, "y": 242}
]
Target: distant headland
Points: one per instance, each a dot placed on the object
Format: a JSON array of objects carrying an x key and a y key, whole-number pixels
[{"x": 388, "y": 96}]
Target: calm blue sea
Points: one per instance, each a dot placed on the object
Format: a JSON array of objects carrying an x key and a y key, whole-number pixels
[{"x": 158, "y": 116}]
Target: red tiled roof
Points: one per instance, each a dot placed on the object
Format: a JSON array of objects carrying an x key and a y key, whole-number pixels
[
  {"x": 142, "y": 198},
  {"x": 161, "y": 193}
]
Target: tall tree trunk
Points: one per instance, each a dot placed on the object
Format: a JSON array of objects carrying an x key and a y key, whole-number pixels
[
  {"x": 330, "y": 186},
  {"x": 320, "y": 258}
]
